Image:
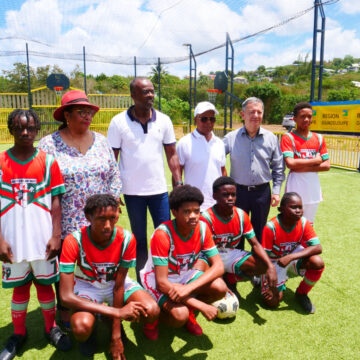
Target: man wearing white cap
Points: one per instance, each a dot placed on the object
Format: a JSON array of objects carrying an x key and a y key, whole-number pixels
[{"x": 202, "y": 154}]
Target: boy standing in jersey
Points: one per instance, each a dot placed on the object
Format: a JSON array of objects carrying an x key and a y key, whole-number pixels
[
  {"x": 292, "y": 244},
  {"x": 169, "y": 275},
  {"x": 103, "y": 253},
  {"x": 30, "y": 189},
  {"x": 305, "y": 155},
  {"x": 229, "y": 224}
]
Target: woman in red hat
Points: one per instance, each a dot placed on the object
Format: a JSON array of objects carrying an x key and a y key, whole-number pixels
[{"x": 85, "y": 158}]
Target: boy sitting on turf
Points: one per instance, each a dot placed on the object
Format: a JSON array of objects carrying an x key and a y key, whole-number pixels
[
  {"x": 30, "y": 189},
  {"x": 291, "y": 242},
  {"x": 169, "y": 275},
  {"x": 228, "y": 225},
  {"x": 103, "y": 253}
]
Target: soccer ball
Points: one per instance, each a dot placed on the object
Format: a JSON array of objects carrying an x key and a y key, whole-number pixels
[{"x": 227, "y": 306}]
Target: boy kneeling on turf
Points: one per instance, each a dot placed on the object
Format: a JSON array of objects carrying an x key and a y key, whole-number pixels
[
  {"x": 103, "y": 253},
  {"x": 30, "y": 189},
  {"x": 228, "y": 225},
  {"x": 292, "y": 244},
  {"x": 169, "y": 275}
]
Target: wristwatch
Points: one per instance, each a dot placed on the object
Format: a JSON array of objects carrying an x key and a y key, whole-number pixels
[{"x": 177, "y": 183}]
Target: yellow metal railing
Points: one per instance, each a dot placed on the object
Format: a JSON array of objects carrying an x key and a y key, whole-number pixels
[
  {"x": 100, "y": 121},
  {"x": 343, "y": 151},
  {"x": 43, "y": 97}
]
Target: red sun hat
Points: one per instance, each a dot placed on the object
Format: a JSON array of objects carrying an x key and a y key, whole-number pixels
[{"x": 73, "y": 97}]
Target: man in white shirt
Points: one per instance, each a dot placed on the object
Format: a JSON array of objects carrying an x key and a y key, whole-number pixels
[
  {"x": 202, "y": 154},
  {"x": 139, "y": 135}
]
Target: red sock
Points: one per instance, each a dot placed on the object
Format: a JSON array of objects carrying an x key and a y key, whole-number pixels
[
  {"x": 233, "y": 278},
  {"x": 310, "y": 278},
  {"x": 19, "y": 304},
  {"x": 46, "y": 297},
  {"x": 151, "y": 326}
]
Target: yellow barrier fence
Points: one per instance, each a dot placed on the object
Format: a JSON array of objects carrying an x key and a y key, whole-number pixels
[
  {"x": 100, "y": 122},
  {"x": 343, "y": 151},
  {"x": 43, "y": 97},
  {"x": 44, "y": 103}
]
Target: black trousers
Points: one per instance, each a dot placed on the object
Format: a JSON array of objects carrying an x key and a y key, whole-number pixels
[{"x": 256, "y": 203}]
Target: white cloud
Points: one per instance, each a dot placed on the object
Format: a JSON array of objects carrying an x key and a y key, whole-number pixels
[
  {"x": 36, "y": 19},
  {"x": 159, "y": 28},
  {"x": 341, "y": 42},
  {"x": 350, "y": 6},
  {"x": 276, "y": 58}
]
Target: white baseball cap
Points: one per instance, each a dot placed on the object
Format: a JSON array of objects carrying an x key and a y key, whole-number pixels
[{"x": 203, "y": 106}]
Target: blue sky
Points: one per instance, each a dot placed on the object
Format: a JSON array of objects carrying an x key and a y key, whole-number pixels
[{"x": 159, "y": 28}]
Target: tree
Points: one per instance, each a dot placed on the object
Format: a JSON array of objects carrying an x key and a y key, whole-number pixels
[
  {"x": 155, "y": 70},
  {"x": 18, "y": 77},
  {"x": 342, "y": 95},
  {"x": 261, "y": 69},
  {"x": 177, "y": 109},
  {"x": 101, "y": 77},
  {"x": 203, "y": 80},
  {"x": 42, "y": 73},
  {"x": 348, "y": 60},
  {"x": 268, "y": 93},
  {"x": 118, "y": 82},
  {"x": 337, "y": 62},
  {"x": 76, "y": 72}
]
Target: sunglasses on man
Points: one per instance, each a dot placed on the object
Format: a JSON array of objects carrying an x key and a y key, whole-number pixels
[{"x": 204, "y": 119}]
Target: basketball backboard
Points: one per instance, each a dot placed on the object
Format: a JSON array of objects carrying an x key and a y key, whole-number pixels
[
  {"x": 221, "y": 81},
  {"x": 57, "y": 80}
]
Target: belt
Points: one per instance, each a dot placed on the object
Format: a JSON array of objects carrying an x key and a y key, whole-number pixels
[{"x": 252, "y": 187}]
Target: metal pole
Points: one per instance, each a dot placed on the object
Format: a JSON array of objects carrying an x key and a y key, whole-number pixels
[
  {"x": 28, "y": 74},
  {"x": 313, "y": 65},
  {"x": 135, "y": 65},
  {"x": 159, "y": 83},
  {"x": 226, "y": 71},
  {"x": 193, "y": 56},
  {"x": 84, "y": 70},
  {"x": 231, "y": 81},
  {"x": 322, "y": 46},
  {"x": 192, "y": 90},
  {"x": 190, "y": 86}
]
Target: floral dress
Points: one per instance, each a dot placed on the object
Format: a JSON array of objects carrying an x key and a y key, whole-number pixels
[{"x": 96, "y": 172}]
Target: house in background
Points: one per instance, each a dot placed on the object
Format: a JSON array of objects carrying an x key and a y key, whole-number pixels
[
  {"x": 354, "y": 67},
  {"x": 241, "y": 80}
]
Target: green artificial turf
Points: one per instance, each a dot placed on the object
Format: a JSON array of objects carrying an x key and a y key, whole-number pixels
[{"x": 256, "y": 333}]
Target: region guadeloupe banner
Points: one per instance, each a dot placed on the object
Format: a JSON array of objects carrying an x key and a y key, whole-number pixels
[{"x": 339, "y": 116}]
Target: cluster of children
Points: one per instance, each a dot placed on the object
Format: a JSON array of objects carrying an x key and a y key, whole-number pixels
[{"x": 193, "y": 260}]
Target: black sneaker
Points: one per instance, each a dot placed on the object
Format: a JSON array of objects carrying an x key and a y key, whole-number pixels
[
  {"x": 88, "y": 347},
  {"x": 305, "y": 303},
  {"x": 12, "y": 346},
  {"x": 59, "y": 339}
]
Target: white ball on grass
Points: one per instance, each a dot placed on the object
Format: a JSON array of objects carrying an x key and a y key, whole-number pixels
[{"x": 227, "y": 306}]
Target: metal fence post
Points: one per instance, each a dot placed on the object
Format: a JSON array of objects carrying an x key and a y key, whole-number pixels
[
  {"x": 28, "y": 74},
  {"x": 159, "y": 82},
  {"x": 84, "y": 70}
]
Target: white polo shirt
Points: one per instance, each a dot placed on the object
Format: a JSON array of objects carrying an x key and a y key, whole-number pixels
[
  {"x": 141, "y": 151},
  {"x": 202, "y": 161}
]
